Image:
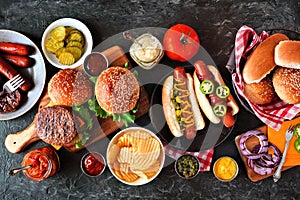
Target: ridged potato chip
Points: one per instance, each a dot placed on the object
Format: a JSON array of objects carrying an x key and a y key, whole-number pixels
[{"x": 135, "y": 154}]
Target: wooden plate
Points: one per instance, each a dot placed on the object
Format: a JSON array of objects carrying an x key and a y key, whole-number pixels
[{"x": 16, "y": 142}]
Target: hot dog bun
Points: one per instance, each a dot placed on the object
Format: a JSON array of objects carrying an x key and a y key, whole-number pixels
[
  {"x": 204, "y": 101},
  {"x": 287, "y": 54},
  {"x": 169, "y": 110},
  {"x": 261, "y": 61}
]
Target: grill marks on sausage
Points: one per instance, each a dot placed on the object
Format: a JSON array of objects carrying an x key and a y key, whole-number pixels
[{"x": 56, "y": 125}]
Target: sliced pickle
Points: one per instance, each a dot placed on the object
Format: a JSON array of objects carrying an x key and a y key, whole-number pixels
[
  {"x": 75, "y": 35},
  {"x": 74, "y": 43},
  {"x": 59, "y": 51},
  {"x": 69, "y": 29},
  {"x": 75, "y": 51},
  {"x": 52, "y": 45},
  {"x": 66, "y": 58},
  {"x": 59, "y": 33},
  {"x": 66, "y": 42}
]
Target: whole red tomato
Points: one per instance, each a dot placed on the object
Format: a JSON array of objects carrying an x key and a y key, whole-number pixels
[{"x": 181, "y": 42}]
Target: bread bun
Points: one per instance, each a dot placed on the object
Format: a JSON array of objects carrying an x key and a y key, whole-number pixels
[
  {"x": 287, "y": 54},
  {"x": 117, "y": 90},
  {"x": 286, "y": 83},
  {"x": 260, "y": 93},
  {"x": 261, "y": 61},
  {"x": 69, "y": 87}
]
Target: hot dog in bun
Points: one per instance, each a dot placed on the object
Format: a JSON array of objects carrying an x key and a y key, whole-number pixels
[
  {"x": 180, "y": 106},
  {"x": 213, "y": 95}
]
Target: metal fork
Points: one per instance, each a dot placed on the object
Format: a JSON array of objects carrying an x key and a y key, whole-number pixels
[
  {"x": 12, "y": 84},
  {"x": 288, "y": 137}
]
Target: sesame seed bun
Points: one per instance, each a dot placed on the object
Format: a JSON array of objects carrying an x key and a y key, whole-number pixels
[
  {"x": 286, "y": 82},
  {"x": 260, "y": 93},
  {"x": 117, "y": 90},
  {"x": 69, "y": 87}
]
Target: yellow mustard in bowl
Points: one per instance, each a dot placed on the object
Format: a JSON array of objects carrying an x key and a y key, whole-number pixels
[{"x": 225, "y": 169}]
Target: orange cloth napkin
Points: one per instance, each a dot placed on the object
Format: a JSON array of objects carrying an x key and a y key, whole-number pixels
[{"x": 278, "y": 139}]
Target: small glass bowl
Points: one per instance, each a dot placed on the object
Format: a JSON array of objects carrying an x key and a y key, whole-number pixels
[
  {"x": 225, "y": 165},
  {"x": 184, "y": 163},
  {"x": 44, "y": 163},
  {"x": 96, "y": 162},
  {"x": 150, "y": 46}
]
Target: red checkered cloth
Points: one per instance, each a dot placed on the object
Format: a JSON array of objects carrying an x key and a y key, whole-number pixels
[
  {"x": 204, "y": 157},
  {"x": 272, "y": 114}
]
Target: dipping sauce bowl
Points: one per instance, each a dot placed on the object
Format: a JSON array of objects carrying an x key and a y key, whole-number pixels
[
  {"x": 225, "y": 169},
  {"x": 187, "y": 166},
  {"x": 92, "y": 164},
  {"x": 95, "y": 63}
]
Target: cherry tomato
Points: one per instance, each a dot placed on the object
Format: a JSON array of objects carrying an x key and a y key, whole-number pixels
[{"x": 181, "y": 42}]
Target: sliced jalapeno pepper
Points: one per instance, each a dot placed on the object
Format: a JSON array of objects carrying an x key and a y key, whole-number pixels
[
  {"x": 222, "y": 91},
  {"x": 297, "y": 145},
  {"x": 207, "y": 87},
  {"x": 219, "y": 110},
  {"x": 297, "y": 131}
]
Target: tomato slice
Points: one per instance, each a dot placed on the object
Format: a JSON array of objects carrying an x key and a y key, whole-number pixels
[
  {"x": 220, "y": 109},
  {"x": 222, "y": 91},
  {"x": 207, "y": 87}
]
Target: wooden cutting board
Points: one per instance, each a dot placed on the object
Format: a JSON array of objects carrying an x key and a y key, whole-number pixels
[
  {"x": 16, "y": 142},
  {"x": 253, "y": 176}
]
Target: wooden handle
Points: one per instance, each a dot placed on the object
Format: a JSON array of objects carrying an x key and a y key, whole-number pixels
[{"x": 16, "y": 142}]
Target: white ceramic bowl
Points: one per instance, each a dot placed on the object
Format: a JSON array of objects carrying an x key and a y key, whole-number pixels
[
  {"x": 140, "y": 180},
  {"x": 79, "y": 26}
]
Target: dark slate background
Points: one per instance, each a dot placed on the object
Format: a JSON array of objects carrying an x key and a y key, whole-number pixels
[{"x": 217, "y": 23}]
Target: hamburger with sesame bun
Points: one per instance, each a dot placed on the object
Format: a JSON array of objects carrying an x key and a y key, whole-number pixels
[
  {"x": 117, "y": 92},
  {"x": 69, "y": 87}
]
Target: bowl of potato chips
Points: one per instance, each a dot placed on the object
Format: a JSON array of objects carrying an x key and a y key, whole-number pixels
[
  {"x": 66, "y": 42},
  {"x": 135, "y": 156}
]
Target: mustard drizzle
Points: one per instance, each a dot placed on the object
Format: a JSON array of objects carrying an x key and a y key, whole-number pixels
[{"x": 185, "y": 105}]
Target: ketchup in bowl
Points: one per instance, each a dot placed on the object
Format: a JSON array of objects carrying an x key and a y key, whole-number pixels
[
  {"x": 93, "y": 164},
  {"x": 44, "y": 163}
]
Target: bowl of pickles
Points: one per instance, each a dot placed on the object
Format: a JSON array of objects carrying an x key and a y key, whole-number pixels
[{"x": 66, "y": 42}]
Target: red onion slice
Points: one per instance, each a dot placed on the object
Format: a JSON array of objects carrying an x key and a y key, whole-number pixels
[
  {"x": 263, "y": 140},
  {"x": 259, "y": 169},
  {"x": 269, "y": 160}
]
